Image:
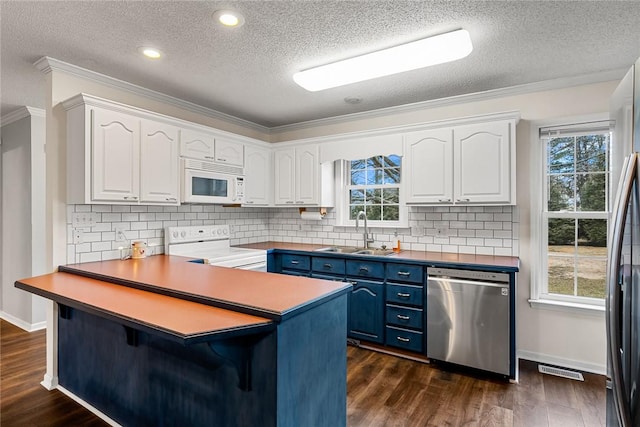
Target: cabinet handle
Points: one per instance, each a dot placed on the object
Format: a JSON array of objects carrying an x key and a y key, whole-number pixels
[
  {"x": 300, "y": 202},
  {"x": 209, "y": 157},
  {"x": 131, "y": 197},
  {"x": 329, "y": 266},
  {"x": 365, "y": 269},
  {"x": 248, "y": 201},
  {"x": 401, "y": 317},
  {"x": 444, "y": 200},
  {"x": 404, "y": 273},
  {"x": 402, "y": 295},
  {"x": 289, "y": 201},
  {"x": 171, "y": 199},
  {"x": 351, "y": 283},
  {"x": 221, "y": 160},
  {"x": 403, "y": 339},
  {"x": 294, "y": 262},
  {"x": 463, "y": 200}
]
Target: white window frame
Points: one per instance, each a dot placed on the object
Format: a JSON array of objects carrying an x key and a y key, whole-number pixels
[
  {"x": 342, "y": 199},
  {"x": 539, "y": 236}
]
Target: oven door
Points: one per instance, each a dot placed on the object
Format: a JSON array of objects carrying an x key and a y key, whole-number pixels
[{"x": 200, "y": 186}]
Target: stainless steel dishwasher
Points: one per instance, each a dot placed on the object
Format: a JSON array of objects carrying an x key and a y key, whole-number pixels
[{"x": 468, "y": 318}]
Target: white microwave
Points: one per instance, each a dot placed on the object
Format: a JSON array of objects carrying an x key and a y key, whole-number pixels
[{"x": 206, "y": 182}]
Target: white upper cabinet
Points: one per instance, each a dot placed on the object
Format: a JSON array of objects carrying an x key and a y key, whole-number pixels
[
  {"x": 427, "y": 169},
  {"x": 482, "y": 161},
  {"x": 229, "y": 152},
  {"x": 298, "y": 177},
  {"x": 115, "y": 139},
  {"x": 197, "y": 145},
  {"x": 258, "y": 186},
  {"x": 466, "y": 164},
  {"x": 159, "y": 178}
]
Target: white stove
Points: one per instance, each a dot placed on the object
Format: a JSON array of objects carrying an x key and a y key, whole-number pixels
[{"x": 211, "y": 243}]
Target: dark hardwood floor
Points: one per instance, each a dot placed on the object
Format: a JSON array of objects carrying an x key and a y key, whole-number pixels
[{"x": 383, "y": 390}]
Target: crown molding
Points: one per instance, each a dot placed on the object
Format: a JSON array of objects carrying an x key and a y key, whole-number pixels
[
  {"x": 562, "y": 83},
  {"x": 47, "y": 64},
  {"x": 20, "y": 114}
]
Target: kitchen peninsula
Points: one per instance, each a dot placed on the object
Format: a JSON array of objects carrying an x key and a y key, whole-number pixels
[{"x": 164, "y": 341}]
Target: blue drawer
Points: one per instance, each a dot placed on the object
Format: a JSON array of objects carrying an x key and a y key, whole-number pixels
[
  {"x": 402, "y": 338},
  {"x": 406, "y": 317},
  {"x": 296, "y": 262},
  {"x": 405, "y": 294},
  {"x": 328, "y": 277},
  {"x": 405, "y": 273},
  {"x": 295, "y": 273},
  {"x": 328, "y": 265},
  {"x": 371, "y": 269}
]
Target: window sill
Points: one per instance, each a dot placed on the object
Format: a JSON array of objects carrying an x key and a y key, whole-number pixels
[{"x": 594, "y": 310}]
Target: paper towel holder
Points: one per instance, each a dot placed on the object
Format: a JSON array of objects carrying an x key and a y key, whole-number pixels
[{"x": 323, "y": 211}]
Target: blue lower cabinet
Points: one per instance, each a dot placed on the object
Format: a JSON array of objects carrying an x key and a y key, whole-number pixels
[
  {"x": 403, "y": 338},
  {"x": 366, "y": 311},
  {"x": 296, "y": 273},
  {"x": 404, "y": 316}
]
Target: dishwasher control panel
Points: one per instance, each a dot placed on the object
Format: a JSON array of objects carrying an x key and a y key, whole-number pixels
[{"x": 454, "y": 273}]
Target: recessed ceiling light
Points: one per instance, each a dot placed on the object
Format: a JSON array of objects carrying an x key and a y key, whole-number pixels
[
  {"x": 229, "y": 18},
  {"x": 410, "y": 56},
  {"x": 150, "y": 52}
]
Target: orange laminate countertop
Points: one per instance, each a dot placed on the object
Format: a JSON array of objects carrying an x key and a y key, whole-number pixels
[
  {"x": 423, "y": 256},
  {"x": 263, "y": 294},
  {"x": 179, "y": 318}
]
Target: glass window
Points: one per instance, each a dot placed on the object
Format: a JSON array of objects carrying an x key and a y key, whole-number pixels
[
  {"x": 374, "y": 187},
  {"x": 575, "y": 214}
]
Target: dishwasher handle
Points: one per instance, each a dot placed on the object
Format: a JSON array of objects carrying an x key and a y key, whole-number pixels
[{"x": 467, "y": 282}]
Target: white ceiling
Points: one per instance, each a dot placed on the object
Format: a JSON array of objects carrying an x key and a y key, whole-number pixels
[{"x": 246, "y": 72}]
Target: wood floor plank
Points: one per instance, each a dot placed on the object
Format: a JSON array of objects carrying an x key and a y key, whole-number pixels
[{"x": 382, "y": 390}]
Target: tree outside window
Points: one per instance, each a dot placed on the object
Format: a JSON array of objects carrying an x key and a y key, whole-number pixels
[{"x": 374, "y": 187}]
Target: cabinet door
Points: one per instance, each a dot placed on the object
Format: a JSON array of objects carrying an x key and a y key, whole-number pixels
[
  {"x": 366, "y": 309},
  {"x": 159, "y": 178},
  {"x": 307, "y": 175},
  {"x": 482, "y": 158},
  {"x": 428, "y": 168},
  {"x": 115, "y": 156},
  {"x": 196, "y": 145},
  {"x": 229, "y": 152},
  {"x": 285, "y": 162},
  {"x": 258, "y": 187}
]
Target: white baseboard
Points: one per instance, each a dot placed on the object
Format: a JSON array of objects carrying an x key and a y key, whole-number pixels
[
  {"x": 88, "y": 406},
  {"x": 49, "y": 382},
  {"x": 29, "y": 327},
  {"x": 579, "y": 365}
]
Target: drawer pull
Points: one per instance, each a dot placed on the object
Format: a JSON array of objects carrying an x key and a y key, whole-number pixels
[
  {"x": 329, "y": 266},
  {"x": 294, "y": 262},
  {"x": 403, "y": 295},
  {"x": 401, "y": 317},
  {"x": 404, "y": 273},
  {"x": 403, "y": 339},
  {"x": 365, "y": 269}
]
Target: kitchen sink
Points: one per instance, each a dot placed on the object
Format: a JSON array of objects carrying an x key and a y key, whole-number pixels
[{"x": 356, "y": 251}]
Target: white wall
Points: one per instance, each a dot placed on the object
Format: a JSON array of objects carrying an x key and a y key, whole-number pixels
[
  {"x": 563, "y": 337},
  {"x": 23, "y": 160}
]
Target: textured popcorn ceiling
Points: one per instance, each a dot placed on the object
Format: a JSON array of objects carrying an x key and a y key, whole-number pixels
[{"x": 247, "y": 72}]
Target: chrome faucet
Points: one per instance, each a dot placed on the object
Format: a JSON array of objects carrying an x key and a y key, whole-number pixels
[{"x": 365, "y": 234}]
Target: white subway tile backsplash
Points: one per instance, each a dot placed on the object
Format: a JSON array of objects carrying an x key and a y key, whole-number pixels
[{"x": 488, "y": 230}]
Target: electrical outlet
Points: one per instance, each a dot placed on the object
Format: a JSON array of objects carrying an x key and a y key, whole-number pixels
[
  {"x": 120, "y": 235},
  {"x": 83, "y": 219},
  {"x": 78, "y": 236}
]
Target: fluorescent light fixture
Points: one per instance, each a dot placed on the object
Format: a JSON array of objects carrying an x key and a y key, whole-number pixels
[
  {"x": 410, "y": 56},
  {"x": 229, "y": 18}
]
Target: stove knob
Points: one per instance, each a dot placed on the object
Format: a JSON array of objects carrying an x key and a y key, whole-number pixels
[
  {"x": 226, "y": 231},
  {"x": 183, "y": 234},
  {"x": 219, "y": 230},
  {"x": 175, "y": 234}
]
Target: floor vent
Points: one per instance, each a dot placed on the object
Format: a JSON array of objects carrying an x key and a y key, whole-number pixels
[{"x": 564, "y": 373}]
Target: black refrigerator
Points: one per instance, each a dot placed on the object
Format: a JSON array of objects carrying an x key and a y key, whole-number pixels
[{"x": 623, "y": 279}]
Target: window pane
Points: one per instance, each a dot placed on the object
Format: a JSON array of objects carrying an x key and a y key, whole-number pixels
[
  {"x": 562, "y": 233},
  {"x": 374, "y": 213},
  {"x": 561, "y": 275},
  {"x": 592, "y": 237},
  {"x": 356, "y": 197},
  {"x": 591, "y": 153},
  {"x": 392, "y": 161},
  {"x": 390, "y": 195},
  {"x": 375, "y": 162},
  {"x": 560, "y": 193},
  {"x": 392, "y": 176},
  {"x": 592, "y": 277},
  {"x": 390, "y": 212},
  {"x": 374, "y": 196},
  {"x": 560, "y": 155},
  {"x": 358, "y": 164},
  {"x": 374, "y": 176},
  {"x": 358, "y": 177},
  {"x": 354, "y": 211},
  {"x": 591, "y": 192}
]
